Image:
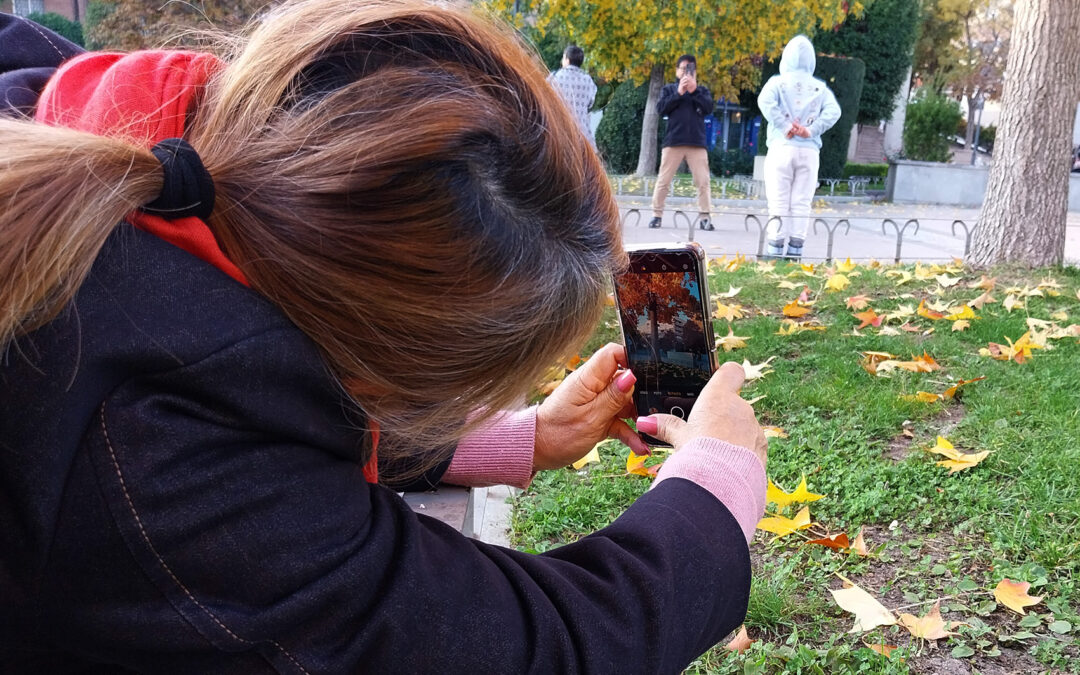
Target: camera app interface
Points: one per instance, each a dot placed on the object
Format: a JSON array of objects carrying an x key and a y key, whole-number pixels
[{"x": 661, "y": 311}]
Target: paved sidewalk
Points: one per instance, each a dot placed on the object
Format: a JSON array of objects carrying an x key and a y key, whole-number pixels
[{"x": 934, "y": 239}]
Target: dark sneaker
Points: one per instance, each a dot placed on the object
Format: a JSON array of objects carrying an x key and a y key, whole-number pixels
[
  {"x": 706, "y": 224},
  {"x": 794, "y": 250},
  {"x": 654, "y": 223}
]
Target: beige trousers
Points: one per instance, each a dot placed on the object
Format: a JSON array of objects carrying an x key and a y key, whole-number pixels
[{"x": 698, "y": 161}]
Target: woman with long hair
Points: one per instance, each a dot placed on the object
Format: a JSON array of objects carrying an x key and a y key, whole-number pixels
[{"x": 234, "y": 289}]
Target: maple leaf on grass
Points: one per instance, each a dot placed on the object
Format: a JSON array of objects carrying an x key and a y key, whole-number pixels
[
  {"x": 923, "y": 397},
  {"x": 868, "y": 318},
  {"x": 732, "y": 341},
  {"x": 930, "y": 626},
  {"x": 635, "y": 465},
  {"x": 985, "y": 283},
  {"x": 731, "y": 292},
  {"x": 591, "y": 457},
  {"x": 926, "y": 313},
  {"x": 774, "y": 432},
  {"x": 952, "y": 391},
  {"x": 791, "y": 327},
  {"x": 794, "y": 310},
  {"x": 984, "y": 299},
  {"x": 741, "y": 642},
  {"x": 837, "y": 542},
  {"x": 782, "y": 526},
  {"x": 946, "y": 281},
  {"x": 857, "y": 302},
  {"x": 859, "y": 545},
  {"x": 775, "y": 494},
  {"x": 846, "y": 266},
  {"x": 789, "y": 285},
  {"x": 757, "y": 372},
  {"x": 1012, "y": 302},
  {"x": 954, "y": 459},
  {"x": 961, "y": 325},
  {"x": 837, "y": 282},
  {"x": 1014, "y": 595},
  {"x": 869, "y": 613},
  {"x": 881, "y": 648},
  {"x": 729, "y": 312}
]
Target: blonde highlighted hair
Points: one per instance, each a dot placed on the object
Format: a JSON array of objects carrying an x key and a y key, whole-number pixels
[{"x": 398, "y": 178}]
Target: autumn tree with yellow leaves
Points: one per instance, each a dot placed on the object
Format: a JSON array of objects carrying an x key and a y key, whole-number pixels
[{"x": 638, "y": 40}]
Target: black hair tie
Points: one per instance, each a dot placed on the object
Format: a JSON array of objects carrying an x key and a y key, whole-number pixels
[{"x": 188, "y": 189}]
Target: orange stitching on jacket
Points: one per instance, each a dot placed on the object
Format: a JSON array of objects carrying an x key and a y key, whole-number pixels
[{"x": 161, "y": 561}]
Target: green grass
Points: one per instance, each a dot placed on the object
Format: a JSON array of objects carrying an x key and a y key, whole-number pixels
[{"x": 932, "y": 535}]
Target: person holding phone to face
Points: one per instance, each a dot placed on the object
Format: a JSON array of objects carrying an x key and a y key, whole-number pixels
[{"x": 685, "y": 103}]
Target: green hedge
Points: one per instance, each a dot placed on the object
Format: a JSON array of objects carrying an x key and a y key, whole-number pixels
[
  {"x": 872, "y": 170},
  {"x": 844, "y": 77},
  {"x": 929, "y": 126},
  {"x": 72, "y": 30},
  {"x": 730, "y": 163},
  {"x": 618, "y": 138}
]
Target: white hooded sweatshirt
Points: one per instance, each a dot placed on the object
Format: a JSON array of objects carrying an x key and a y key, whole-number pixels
[{"x": 795, "y": 95}]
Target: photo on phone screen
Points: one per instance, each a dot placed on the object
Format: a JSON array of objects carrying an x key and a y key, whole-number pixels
[{"x": 668, "y": 334}]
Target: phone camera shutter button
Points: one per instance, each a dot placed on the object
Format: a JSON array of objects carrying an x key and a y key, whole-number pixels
[{"x": 678, "y": 412}]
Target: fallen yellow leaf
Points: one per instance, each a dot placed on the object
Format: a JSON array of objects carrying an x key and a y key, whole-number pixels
[
  {"x": 774, "y": 432},
  {"x": 857, "y": 302},
  {"x": 923, "y": 396},
  {"x": 1012, "y": 302},
  {"x": 946, "y": 281},
  {"x": 591, "y": 457},
  {"x": 869, "y": 613},
  {"x": 883, "y": 649},
  {"x": 732, "y": 341},
  {"x": 731, "y": 292},
  {"x": 961, "y": 325},
  {"x": 794, "y": 310},
  {"x": 782, "y": 526},
  {"x": 635, "y": 465},
  {"x": 729, "y": 312},
  {"x": 846, "y": 266},
  {"x": 930, "y": 626},
  {"x": 837, "y": 282},
  {"x": 1014, "y": 595},
  {"x": 775, "y": 494}
]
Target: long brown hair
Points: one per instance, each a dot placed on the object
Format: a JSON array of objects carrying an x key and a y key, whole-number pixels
[{"x": 397, "y": 177}]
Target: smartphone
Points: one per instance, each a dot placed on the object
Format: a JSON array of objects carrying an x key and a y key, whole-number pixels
[
  {"x": 691, "y": 69},
  {"x": 663, "y": 300}
]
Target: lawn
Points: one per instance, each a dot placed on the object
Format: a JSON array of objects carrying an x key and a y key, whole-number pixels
[{"x": 859, "y": 431}]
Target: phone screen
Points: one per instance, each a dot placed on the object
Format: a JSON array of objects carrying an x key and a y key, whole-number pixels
[{"x": 668, "y": 342}]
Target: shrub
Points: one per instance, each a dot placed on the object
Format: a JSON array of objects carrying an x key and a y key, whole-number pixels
[
  {"x": 730, "y": 163},
  {"x": 931, "y": 122},
  {"x": 844, "y": 77},
  {"x": 62, "y": 26},
  {"x": 618, "y": 138},
  {"x": 871, "y": 170}
]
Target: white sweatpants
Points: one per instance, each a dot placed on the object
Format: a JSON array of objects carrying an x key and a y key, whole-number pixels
[{"x": 791, "y": 178}]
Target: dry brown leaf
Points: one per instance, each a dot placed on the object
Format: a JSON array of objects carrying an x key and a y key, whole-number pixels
[
  {"x": 883, "y": 649},
  {"x": 929, "y": 626},
  {"x": 741, "y": 642},
  {"x": 859, "y": 545},
  {"x": 869, "y": 613}
]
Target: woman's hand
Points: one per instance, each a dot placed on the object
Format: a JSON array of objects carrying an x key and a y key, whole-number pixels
[
  {"x": 585, "y": 409},
  {"x": 719, "y": 412}
]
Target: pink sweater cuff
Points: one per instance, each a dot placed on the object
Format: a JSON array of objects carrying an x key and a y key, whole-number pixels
[
  {"x": 733, "y": 474},
  {"x": 499, "y": 453}
]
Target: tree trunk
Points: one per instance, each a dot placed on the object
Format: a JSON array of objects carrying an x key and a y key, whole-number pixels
[
  {"x": 646, "y": 165},
  {"x": 969, "y": 134},
  {"x": 1023, "y": 216}
]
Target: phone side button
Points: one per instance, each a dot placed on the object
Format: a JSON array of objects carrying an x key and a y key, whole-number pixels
[{"x": 678, "y": 412}]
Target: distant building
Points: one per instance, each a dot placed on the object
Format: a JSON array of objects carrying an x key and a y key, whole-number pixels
[{"x": 72, "y": 9}]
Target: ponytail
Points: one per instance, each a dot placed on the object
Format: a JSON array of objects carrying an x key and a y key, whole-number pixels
[{"x": 61, "y": 194}]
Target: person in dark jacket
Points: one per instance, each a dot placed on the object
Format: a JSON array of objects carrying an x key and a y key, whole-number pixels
[
  {"x": 685, "y": 103},
  {"x": 224, "y": 310}
]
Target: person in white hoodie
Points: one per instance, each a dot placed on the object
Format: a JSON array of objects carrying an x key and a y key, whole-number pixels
[{"x": 799, "y": 109}]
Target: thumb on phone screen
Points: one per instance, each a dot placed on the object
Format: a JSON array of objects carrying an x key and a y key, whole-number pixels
[{"x": 719, "y": 413}]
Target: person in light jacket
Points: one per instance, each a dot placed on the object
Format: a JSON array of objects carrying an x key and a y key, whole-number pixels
[{"x": 799, "y": 108}]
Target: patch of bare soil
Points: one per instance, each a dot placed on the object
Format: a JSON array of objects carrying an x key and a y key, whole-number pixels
[
  {"x": 899, "y": 447},
  {"x": 887, "y": 580}
]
